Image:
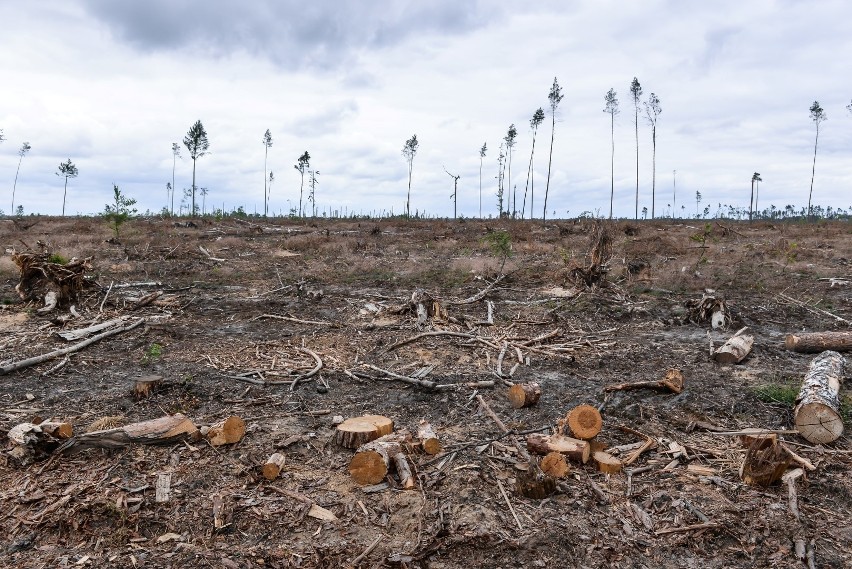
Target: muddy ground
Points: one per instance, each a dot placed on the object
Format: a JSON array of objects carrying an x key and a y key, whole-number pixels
[{"x": 340, "y": 287}]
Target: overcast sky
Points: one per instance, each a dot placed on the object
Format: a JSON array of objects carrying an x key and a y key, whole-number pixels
[{"x": 111, "y": 84}]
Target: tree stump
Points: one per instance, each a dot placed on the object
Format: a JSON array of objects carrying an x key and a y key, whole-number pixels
[
  {"x": 764, "y": 466},
  {"x": 817, "y": 411},
  {"x": 533, "y": 483},
  {"x": 584, "y": 421},
  {"x": 371, "y": 462},
  {"x": 524, "y": 394},
  {"x": 358, "y": 431},
  {"x": 813, "y": 342},
  {"x": 145, "y": 386}
]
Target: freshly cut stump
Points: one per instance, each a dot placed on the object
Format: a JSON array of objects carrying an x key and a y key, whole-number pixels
[
  {"x": 606, "y": 463},
  {"x": 524, "y": 394},
  {"x": 274, "y": 465},
  {"x": 758, "y": 438},
  {"x": 813, "y": 342},
  {"x": 231, "y": 430},
  {"x": 555, "y": 464},
  {"x": 734, "y": 350},
  {"x": 817, "y": 411},
  {"x": 428, "y": 439},
  {"x": 584, "y": 421},
  {"x": 371, "y": 462},
  {"x": 147, "y": 385},
  {"x": 572, "y": 448},
  {"x": 358, "y": 431}
]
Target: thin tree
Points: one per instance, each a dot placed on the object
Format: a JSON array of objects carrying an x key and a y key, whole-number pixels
[
  {"x": 409, "y": 151},
  {"x": 175, "y": 156},
  {"x": 312, "y": 197},
  {"x": 817, "y": 115},
  {"x": 203, "y": 192},
  {"x": 511, "y": 134},
  {"x": 267, "y": 142},
  {"x": 652, "y": 111},
  {"x": 455, "y": 193},
  {"x": 482, "y": 152},
  {"x": 269, "y": 181},
  {"x": 66, "y": 170},
  {"x": 25, "y": 147},
  {"x": 197, "y": 144},
  {"x": 501, "y": 168},
  {"x": 535, "y": 121},
  {"x": 636, "y": 93},
  {"x": 674, "y": 192},
  {"x": 555, "y": 97},
  {"x": 757, "y": 182},
  {"x": 303, "y": 164},
  {"x": 754, "y": 177},
  {"x": 611, "y": 109}
]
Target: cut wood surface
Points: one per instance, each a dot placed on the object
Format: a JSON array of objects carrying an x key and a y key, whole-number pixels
[
  {"x": 817, "y": 411},
  {"x": 163, "y": 430},
  {"x": 428, "y": 439},
  {"x": 371, "y": 462},
  {"x": 357, "y": 431},
  {"x": 764, "y": 466},
  {"x": 813, "y": 342},
  {"x": 574, "y": 449},
  {"x": 758, "y": 437},
  {"x": 584, "y": 421},
  {"x": 273, "y": 466},
  {"x": 735, "y": 349},
  {"x": 524, "y": 394},
  {"x": 146, "y": 385},
  {"x": 554, "y": 464},
  {"x": 231, "y": 430},
  {"x": 606, "y": 463},
  {"x": 57, "y": 430}
]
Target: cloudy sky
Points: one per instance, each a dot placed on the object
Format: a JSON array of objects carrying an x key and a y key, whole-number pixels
[{"x": 111, "y": 84}]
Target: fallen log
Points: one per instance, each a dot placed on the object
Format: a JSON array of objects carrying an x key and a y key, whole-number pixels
[
  {"x": 80, "y": 333},
  {"x": 572, "y": 448},
  {"x": 606, "y": 463},
  {"x": 524, "y": 394},
  {"x": 813, "y": 342},
  {"x": 584, "y": 421},
  {"x": 554, "y": 464},
  {"x": 735, "y": 349},
  {"x": 817, "y": 412},
  {"x": 358, "y": 431},
  {"x": 371, "y": 462},
  {"x": 163, "y": 430},
  {"x": 428, "y": 439},
  {"x": 672, "y": 382},
  {"x": 231, "y": 430},
  {"x": 274, "y": 465}
]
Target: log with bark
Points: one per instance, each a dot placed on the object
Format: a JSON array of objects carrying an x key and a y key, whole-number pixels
[
  {"x": 524, "y": 394},
  {"x": 372, "y": 460},
  {"x": 735, "y": 349},
  {"x": 163, "y": 430},
  {"x": 554, "y": 464},
  {"x": 428, "y": 439},
  {"x": 672, "y": 382},
  {"x": 358, "y": 431},
  {"x": 574, "y": 449},
  {"x": 584, "y": 421},
  {"x": 817, "y": 411},
  {"x": 273, "y": 466},
  {"x": 231, "y": 430},
  {"x": 813, "y": 342}
]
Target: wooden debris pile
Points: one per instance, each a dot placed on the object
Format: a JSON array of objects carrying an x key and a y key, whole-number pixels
[
  {"x": 46, "y": 278},
  {"x": 708, "y": 308},
  {"x": 593, "y": 274}
]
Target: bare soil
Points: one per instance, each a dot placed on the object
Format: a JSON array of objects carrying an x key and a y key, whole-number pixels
[{"x": 340, "y": 286}]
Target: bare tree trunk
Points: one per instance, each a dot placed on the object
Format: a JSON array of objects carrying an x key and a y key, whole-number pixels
[
  {"x": 480, "y": 187},
  {"x": 549, "y": 162},
  {"x": 751, "y": 200},
  {"x": 174, "y": 163},
  {"x": 813, "y": 170},
  {"x": 408, "y": 197},
  {"x": 653, "y": 169},
  {"x": 612, "y": 161},
  {"x": 529, "y": 176},
  {"x": 636, "y": 126},
  {"x": 193, "y": 188},
  {"x": 15, "y": 185},
  {"x": 64, "y": 193},
  {"x": 301, "y": 192},
  {"x": 265, "y": 195}
]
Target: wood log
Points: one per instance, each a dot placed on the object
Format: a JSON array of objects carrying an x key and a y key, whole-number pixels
[
  {"x": 574, "y": 449},
  {"x": 813, "y": 342},
  {"x": 554, "y": 464},
  {"x": 534, "y": 483},
  {"x": 672, "y": 382},
  {"x": 57, "y": 430},
  {"x": 274, "y": 465},
  {"x": 584, "y": 421},
  {"x": 358, "y": 431},
  {"x": 764, "y": 466},
  {"x": 606, "y": 463},
  {"x": 371, "y": 462},
  {"x": 146, "y": 385},
  {"x": 428, "y": 440},
  {"x": 403, "y": 470},
  {"x": 231, "y": 430},
  {"x": 524, "y": 394},
  {"x": 735, "y": 349},
  {"x": 163, "y": 430},
  {"x": 817, "y": 411}
]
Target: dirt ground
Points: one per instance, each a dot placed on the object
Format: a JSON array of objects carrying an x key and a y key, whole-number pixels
[{"x": 245, "y": 302}]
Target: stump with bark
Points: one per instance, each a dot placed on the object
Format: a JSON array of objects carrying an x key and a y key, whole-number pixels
[
  {"x": 763, "y": 466},
  {"x": 273, "y": 466},
  {"x": 584, "y": 421},
  {"x": 524, "y": 394},
  {"x": 533, "y": 483},
  {"x": 817, "y": 411},
  {"x": 574, "y": 449},
  {"x": 357, "y": 431}
]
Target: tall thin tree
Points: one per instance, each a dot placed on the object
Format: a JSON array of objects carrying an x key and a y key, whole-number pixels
[
  {"x": 303, "y": 164},
  {"x": 754, "y": 178},
  {"x": 25, "y": 147},
  {"x": 535, "y": 121},
  {"x": 757, "y": 181},
  {"x": 267, "y": 142},
  {"x": 409, "y": 151},
  {"x": 455, "y": 194},
  {"x": 555, "y": 97},
  {"x": 501, "y": 168},
  {"x": 817, "y": 115},
  {"x": 482, "y": 152},
  {"x": 66, "y": 170},
  {"x": 175, "y": 156},
  {"x": 611, "y": 108},
  {"x": 636, "y": 94},
  {"x": 197, "y": 144},
  {"x": 312, "y": 196},
  {"x": 652, "y": 111},
  {"x": 511, "y": 134}
]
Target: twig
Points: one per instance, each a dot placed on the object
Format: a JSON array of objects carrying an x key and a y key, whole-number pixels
[
  {"x": 480, "y": 295},
  {"x": 694, "y": 527},
  {"x": 509, "y": 503},
  {"x": 404, "y": 378},
  {"x": 311, "y": 373},
  {"x": 101, "y": 309},
  {"x": 812, "y": 308},
  {"x": 367, "y": 551},
  {"x": 291, "y": 319}
]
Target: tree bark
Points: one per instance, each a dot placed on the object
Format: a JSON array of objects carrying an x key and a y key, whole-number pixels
[
  {"x": 817, "y": 411},
  {"x": 813, "y": 342},
  {"x": 428, "y": 439},
  {"x": 371, "y": 462},
  {"x": 524, "y": 394},
  {"x": 163, "y": 430},
  {"x": 734, "y": 350},
  {"x": 572, "y": 448}
]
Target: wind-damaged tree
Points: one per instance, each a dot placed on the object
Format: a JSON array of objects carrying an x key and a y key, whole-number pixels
[
  {"x": 267, "y": 142},
  {"x": 25, "y": 147},
  {"x": 754, "y": 178},
  {"x": 175, "y": 156},
  {"x": 611, "y": 109},
  {"x": 535, "y": 121},
  {"x": 817, "y": 115},
  {"x": 455, "y": 194},
  {"x": 636, "y": 93},
  {"x": 269, "y": 181},
  {"x": 409, "y": 151},
  {"x": 652, "y": 111},
  {"x": 312, "y": 197},
  {"x": 66, "y": 170},
  {"x": 511, "y": 134},
  {"x": 482, "y": 152},
  {"x": 197, "y": 144},
  {"x": 302, "y": 166},
  {"x": 555, "y": 97}
]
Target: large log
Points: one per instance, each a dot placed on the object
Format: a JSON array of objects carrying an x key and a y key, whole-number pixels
[
  {"x": 584, "y": 421},
  {"x": 572, "y": 448},
  {"x": 524, "y": 394},
  {"x": 371, "y": 462},
  {"x": 813, "y": 342},
  {"x": 163, "y": 430},
  {"x": 817, "y": 411},
  {"x": 358, "y": 431},
  {"x": 735, "y": 349}
]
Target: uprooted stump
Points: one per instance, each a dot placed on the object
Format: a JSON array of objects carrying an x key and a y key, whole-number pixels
[
  {"x": 600, "y": 251},
  {"x": 44, "y": 278}
]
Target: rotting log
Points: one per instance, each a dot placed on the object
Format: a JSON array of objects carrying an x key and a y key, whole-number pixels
[
  {"x": 231, "y": 430},
  {"x": 584, "y": 421},
  {"x": 735, "y": 349},
  {"x": 524, "y": 394},
  {"x": 273, "y": 466},
  {"x": 764, "y": 466},
  {"x": 574, "y": 449},
  {"x": 358, "y": 431},
  {"x": 163, "y": 430},
  {"x": 371, "y": 462},
  {"x": 817, "y": 411},
  {"x": 813, "y": 342},
  {"x": 554, "y": 464},
  {"x": 428, "y": 439},
  {"x": 606, "y": 463}
]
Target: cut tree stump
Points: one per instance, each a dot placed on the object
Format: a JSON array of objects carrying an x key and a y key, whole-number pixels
[
  {"x": 584, "y": 421},
  {"x": 757, "y": 437},
  {"x": 735, "y": 349},
  {"x": 813, "y": 342},
  {"x": 231, "y": 430},
  {"x": 606, "y": 463},
  {"x": 371, "y": 462},
  {"x": 163, "y": 430},
  {"x": 358, "y": 431},
  {"x": 574, "y": 449},
  {"x": 274, "y": 465},
  {"x": 764, "y": 466},
  {"x": 428, "y": 440},
  {"x": 554, "y": 464},
  {"x": 145, "y": 386},
  {"x": 817, "y": 411},
  {"x": 533, "y": 483},
  {"x": 524, "y": 394}
]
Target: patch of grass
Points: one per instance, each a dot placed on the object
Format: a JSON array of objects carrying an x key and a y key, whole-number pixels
[
  {"x": 57, "y": 259},
  {"x": 152, "y": 354},
  {"x": 778, "y": 394}
]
